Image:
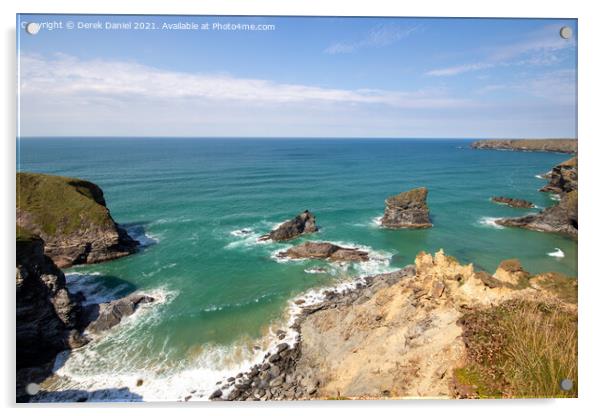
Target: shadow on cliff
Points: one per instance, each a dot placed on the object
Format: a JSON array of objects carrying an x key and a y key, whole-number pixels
[{"x": 138, "y": 231}]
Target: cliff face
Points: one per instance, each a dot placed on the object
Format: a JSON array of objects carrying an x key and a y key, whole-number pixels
[
  {"x": 50, "y": 319},
  {"x": 47, "y": 314},
  {"x": 71, "y": 216},
  {"x": 532, "y": 145}
]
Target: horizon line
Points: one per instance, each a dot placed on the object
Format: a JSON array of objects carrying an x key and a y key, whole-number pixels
[{"x": 294, "y": 137}]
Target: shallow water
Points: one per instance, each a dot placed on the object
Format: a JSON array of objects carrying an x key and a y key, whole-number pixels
[{"x": 200, "y": 204}]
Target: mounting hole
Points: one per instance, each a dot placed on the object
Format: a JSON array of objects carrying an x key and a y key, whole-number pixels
[
  {"x": 566, "y": 384},
  {"x": 32, "y": 389},
  {"x": 566, "y": 32}
]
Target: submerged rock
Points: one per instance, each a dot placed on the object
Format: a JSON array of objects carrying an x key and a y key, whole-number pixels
[
  {"x": 325, "y": 251},
  {"x": 407, "y": 210},
  {"x": 513, "y": 202},
  {"x": 304, "y": 223},
  {"x": 72, "y": 218}
]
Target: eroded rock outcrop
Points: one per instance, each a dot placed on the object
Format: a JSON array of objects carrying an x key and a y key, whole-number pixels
[
  {"x": 407, "y": 210},
  {"x": 563, "y": 177},
  {"x": 325, "y": 251},
  {"x": 304, "y": 223},
  {"x": 72, "y": 218},
  {"x": 513, "y": 202}
]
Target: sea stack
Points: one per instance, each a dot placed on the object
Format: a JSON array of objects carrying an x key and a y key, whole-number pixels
[
  {"x": 407, "y": 210},
  {"x": 72, "y": 218},
  {"x": 304, "y": 223}
]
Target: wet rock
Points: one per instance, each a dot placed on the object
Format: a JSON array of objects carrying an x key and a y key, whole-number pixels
[
  {"x": 106, "y": 315},
  {"x": 216, "y": 394}
]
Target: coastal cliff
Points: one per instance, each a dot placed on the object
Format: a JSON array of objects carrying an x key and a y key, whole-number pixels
[
  {"x": 411, "y": 334},
  {"x": 51, "y": 319},
  {"x": 529, "y": 145},
  {"x": 48, "y": 316},
  {"x": 72, "y": 218}
]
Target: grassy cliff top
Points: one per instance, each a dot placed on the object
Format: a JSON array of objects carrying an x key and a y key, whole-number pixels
[
  {"x": 58, "y": 204},
  {"x": 415, "y": 196}
]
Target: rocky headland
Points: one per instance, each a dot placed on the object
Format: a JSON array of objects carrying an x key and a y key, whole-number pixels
[
  {"x": 304, "y": 223},
  {"x": 61, "y": 222},
  {"x": 513, "y": 202},
  {"x": 411, "y": 333},
  {"x": 529, "y": 145},
  {"x": 72, "y": 218},
  {"x": 562, "y": 217},
  {"x": 324, "y": 251},
  {"x": 407, "y": 210}
]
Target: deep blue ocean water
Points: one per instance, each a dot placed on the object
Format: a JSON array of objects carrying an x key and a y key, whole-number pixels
[{"x": 200, "y": 204}]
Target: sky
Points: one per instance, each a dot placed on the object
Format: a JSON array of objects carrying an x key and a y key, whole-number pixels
[{"x": 298, "y": 77}]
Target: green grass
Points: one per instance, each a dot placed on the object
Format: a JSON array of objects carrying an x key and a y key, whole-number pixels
[
  {"x": 519, "y": 349},
  {"x": 60, "y": 205}
]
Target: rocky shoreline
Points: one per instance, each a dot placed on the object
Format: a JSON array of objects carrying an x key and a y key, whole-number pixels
[
  {"x": 393, "y": 335},
  {"x": 277, "y": 377},
  {"x": 562, "y": 217}
]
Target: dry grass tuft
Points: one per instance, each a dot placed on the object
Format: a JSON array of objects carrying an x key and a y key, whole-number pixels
[{"x": 519, "y": 349}]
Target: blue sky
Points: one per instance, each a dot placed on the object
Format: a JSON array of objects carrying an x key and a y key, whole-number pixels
[{"x": 309, "y": 77}]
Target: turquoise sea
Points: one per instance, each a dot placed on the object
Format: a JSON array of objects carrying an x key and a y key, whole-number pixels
[{"x": 198, "y": 205}]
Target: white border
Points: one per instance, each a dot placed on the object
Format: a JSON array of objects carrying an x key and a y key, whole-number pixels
[{"x": 590, "y": 34}]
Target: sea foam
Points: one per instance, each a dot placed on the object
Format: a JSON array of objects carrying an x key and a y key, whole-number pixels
[
  {"x": 558, "y": 253},
  {"x": 490, "y": 222}
]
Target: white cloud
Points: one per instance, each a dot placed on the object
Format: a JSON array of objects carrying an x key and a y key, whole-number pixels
[
  {"x": 378, "y": 37},
  {"x": 538, "y": 48},
  {"x": 113, "y": 80},
  {"x": 555, "y": 87},
  {"x": 459, "y": 69}
]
